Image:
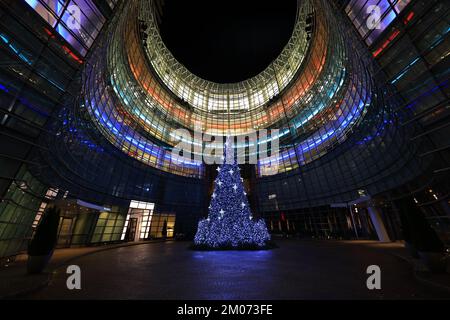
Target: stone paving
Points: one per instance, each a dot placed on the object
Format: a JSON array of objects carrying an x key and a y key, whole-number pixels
[
  {"x": 15, "y": 282},
  {"x": 296, "y": 270}
]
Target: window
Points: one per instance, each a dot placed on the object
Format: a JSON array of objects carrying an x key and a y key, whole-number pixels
[
  {"x": 379, "y": 13},
  {"x": 144, "y": 209},
  {"x": 77, "y": 21}
]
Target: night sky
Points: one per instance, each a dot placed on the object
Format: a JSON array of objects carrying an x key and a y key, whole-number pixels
[{"x": 227, "y": 41}]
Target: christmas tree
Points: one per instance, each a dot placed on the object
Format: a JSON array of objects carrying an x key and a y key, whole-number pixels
[{"x": 230, "y": 223}]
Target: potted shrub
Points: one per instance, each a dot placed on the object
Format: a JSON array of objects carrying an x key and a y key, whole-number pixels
[
  {"x": 41, "y": 247},
  {"x": 408, "y": 237},
  {"x": 420, "y": 238},
  {"x": 430, "y": 248},
  {"x": 164, "y": 230},
  {"x": 432, "y": 252}
]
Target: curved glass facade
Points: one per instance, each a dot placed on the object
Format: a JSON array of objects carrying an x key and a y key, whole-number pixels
[
  {"x": 331, "y": 109},
  {"x": 234, "y": 97},
  {"x": 362, "y": 114},
  {"x": 113, "y": 99},
  {"x": 139, "y": 94}
]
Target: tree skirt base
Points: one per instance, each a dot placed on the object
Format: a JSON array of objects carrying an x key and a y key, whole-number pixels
[{"x": 203, "y": 247}]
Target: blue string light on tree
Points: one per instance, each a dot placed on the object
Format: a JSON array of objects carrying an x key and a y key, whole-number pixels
[{"x": 230, "y": 223}]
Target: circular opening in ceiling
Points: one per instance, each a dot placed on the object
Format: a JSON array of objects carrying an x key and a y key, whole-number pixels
[{"x": 227, "y": 41}]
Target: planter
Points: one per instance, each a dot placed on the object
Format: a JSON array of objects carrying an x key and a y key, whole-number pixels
[
  {"x": 435, "y": 261},
  {"x": 412, "y": 250},
  {"x": 37, "y": 264}
]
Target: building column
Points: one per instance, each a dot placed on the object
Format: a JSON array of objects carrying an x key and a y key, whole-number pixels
[{"x": 378, "y": 223}]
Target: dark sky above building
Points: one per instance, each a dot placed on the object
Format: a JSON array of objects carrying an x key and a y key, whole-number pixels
[{"x": 227, "y": 40}]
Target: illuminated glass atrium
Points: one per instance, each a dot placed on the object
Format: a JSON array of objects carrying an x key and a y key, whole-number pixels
[{"x": 312, "y": 92}]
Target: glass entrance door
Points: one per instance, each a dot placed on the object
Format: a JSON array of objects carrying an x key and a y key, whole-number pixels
[{"x": 131, "y": 231}]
